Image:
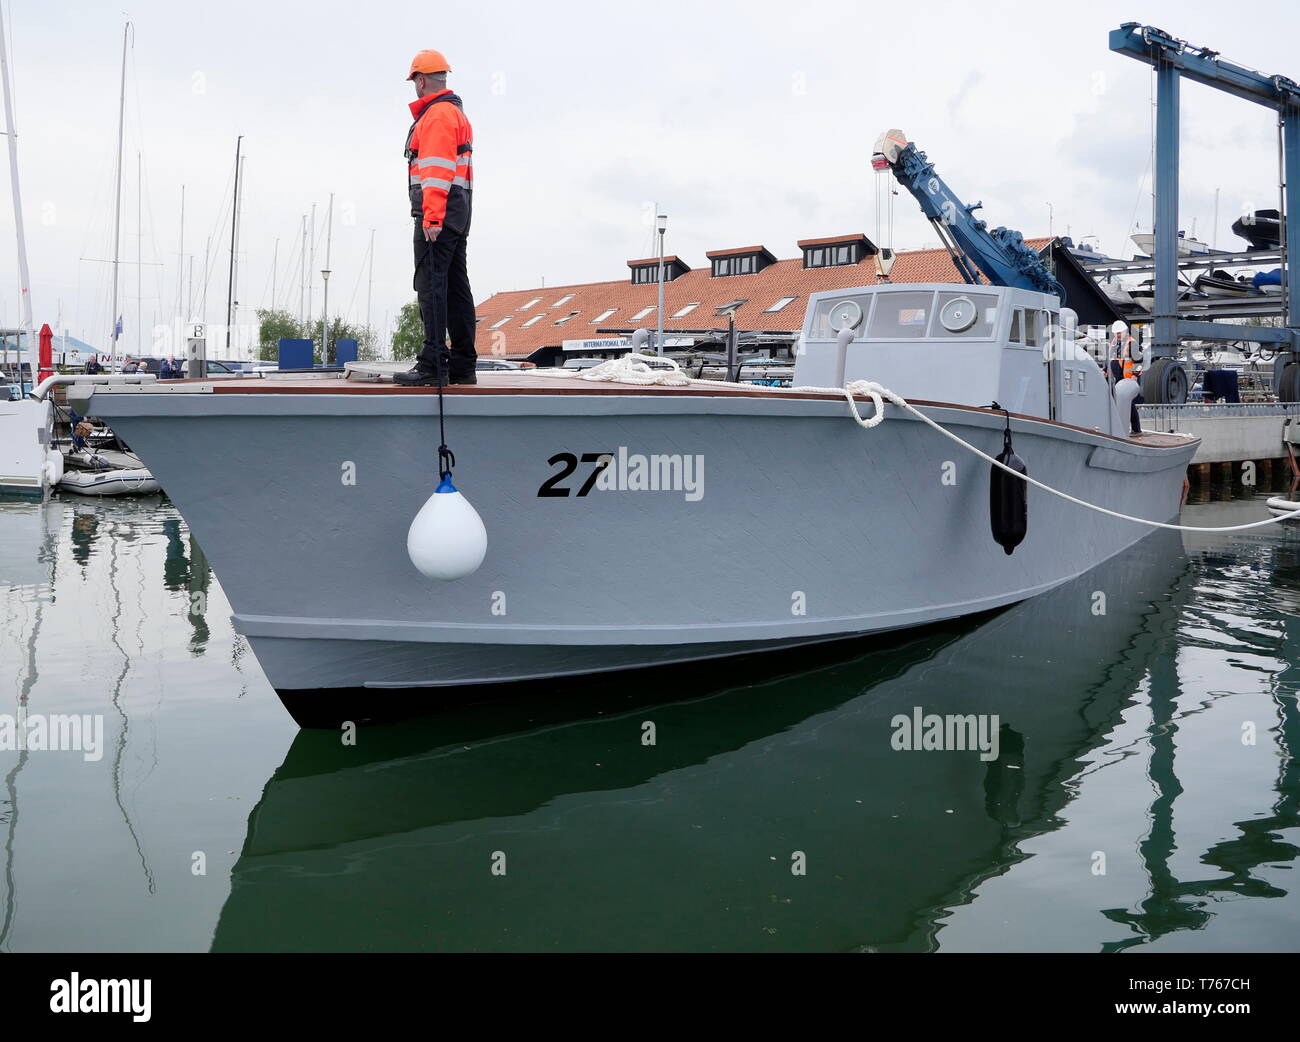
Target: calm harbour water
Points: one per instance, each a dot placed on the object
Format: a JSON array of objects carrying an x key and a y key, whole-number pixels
[{"x": 1146, "y": 795}]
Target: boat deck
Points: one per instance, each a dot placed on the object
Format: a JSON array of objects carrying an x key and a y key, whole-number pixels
[
  {"x": 492, "y": 383},
  {"x": 1161, "y": 440}
]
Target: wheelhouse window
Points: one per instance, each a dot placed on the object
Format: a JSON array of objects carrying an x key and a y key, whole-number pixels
[{"x": 901, "y": 316}]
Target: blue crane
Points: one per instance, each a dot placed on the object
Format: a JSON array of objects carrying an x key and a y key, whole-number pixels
[{"x": 1000, "y": 255}]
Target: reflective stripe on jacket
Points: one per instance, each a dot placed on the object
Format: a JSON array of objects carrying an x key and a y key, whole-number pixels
[{"x": 440, "y": 166}]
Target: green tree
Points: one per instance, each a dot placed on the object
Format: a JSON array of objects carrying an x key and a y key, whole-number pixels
[
  {"x": 279, "y": 323},
  {"x": 272, "y": 325},
  {"x": 409, "y": 337},
  {"x": 339, "y": 330}
]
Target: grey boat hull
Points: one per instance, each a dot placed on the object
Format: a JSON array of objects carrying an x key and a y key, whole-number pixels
[{"x": 806, "y": 529}]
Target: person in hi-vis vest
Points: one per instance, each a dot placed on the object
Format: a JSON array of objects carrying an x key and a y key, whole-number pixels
[{"x": 440, "y": 182}]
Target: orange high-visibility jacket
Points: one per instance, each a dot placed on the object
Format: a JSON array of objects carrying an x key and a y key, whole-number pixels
[{"x": 439, "y": 152}]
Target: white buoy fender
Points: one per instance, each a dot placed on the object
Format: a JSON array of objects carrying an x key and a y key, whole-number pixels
[
  {"x": 53, "y": 467},
  {"x": 447, "y": 539}
]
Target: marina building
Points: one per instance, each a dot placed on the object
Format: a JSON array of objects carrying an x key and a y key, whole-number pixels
[{"x": 768, "y": 297}]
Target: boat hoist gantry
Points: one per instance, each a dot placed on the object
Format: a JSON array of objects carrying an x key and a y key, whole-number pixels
[{"x": 1165, "y": 381}]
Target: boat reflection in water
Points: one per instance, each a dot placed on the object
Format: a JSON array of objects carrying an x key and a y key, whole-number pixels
[{"x": 568, "y": 831}]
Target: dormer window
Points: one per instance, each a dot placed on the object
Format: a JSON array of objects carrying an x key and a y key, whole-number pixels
[
  {"x": 835, "y": 250},
  {"x": 647, "y": 270},
  {"x": 746, "y": 260}
]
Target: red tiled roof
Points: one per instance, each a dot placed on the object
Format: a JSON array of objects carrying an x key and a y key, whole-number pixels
[{"x": 783, "y": 278}]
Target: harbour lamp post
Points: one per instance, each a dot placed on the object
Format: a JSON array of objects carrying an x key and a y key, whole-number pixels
[
  {"x": 326, "y": 354},
  {"x": 659, "y": 335}
]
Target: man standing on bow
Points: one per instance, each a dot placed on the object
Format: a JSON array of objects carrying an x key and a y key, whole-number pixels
[{"x": 439, "y": 150}]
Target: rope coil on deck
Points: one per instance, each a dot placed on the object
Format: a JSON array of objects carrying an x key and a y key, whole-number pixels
[{"x": 635, "y": 369}]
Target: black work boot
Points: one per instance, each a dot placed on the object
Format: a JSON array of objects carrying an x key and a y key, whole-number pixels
[{"x": 417, "y": 377}]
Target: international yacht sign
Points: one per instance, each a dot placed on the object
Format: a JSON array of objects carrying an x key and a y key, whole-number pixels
[{"x": 607, "y": 344}]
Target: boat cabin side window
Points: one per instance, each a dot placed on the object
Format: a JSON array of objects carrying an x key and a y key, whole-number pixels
[
  {"x": 1017, "y": 324},
  {"x": 1031, "y": 331}
]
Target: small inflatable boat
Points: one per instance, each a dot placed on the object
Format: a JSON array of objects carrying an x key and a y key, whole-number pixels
[
  {"x": 106, "y": 472},
  {"x": 1262, "y": 229},
  {"x": 1222, "y": 283}
]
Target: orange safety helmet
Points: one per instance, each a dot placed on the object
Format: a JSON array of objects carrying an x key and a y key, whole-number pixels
[{"x": 428, "y": 61}]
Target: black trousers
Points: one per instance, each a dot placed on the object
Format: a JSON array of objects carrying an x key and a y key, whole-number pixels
[{"x": 446, "y": 301}]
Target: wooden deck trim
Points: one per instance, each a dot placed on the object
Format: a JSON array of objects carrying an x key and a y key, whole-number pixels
[{"x": 501, "y": 383}]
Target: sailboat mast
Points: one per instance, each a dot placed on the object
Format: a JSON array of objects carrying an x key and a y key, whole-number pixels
[
  {"x": 207, "y": 271},
  {"x": 327, "y": 346},
  {"x": 24, "y": 280},
  {"x": 302, "y": 282},
  {"x": 180, "y": 265},
  {"x": 311, "y": 268},
  {"x": 117, "y": 210},
  {"x": 139, "y": 255},
  {"x": 370, "y": 288},
  {"x": 234, "y": 228}
]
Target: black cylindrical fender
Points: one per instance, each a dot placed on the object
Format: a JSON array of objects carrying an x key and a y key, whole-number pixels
[{"x": 1008, "y": 498}]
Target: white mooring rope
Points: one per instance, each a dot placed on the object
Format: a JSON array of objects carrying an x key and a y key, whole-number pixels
[{"x": 634, "y": 369}]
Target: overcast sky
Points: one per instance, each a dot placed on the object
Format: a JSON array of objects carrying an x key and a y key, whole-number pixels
[{"x": 747, "y": 122}]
